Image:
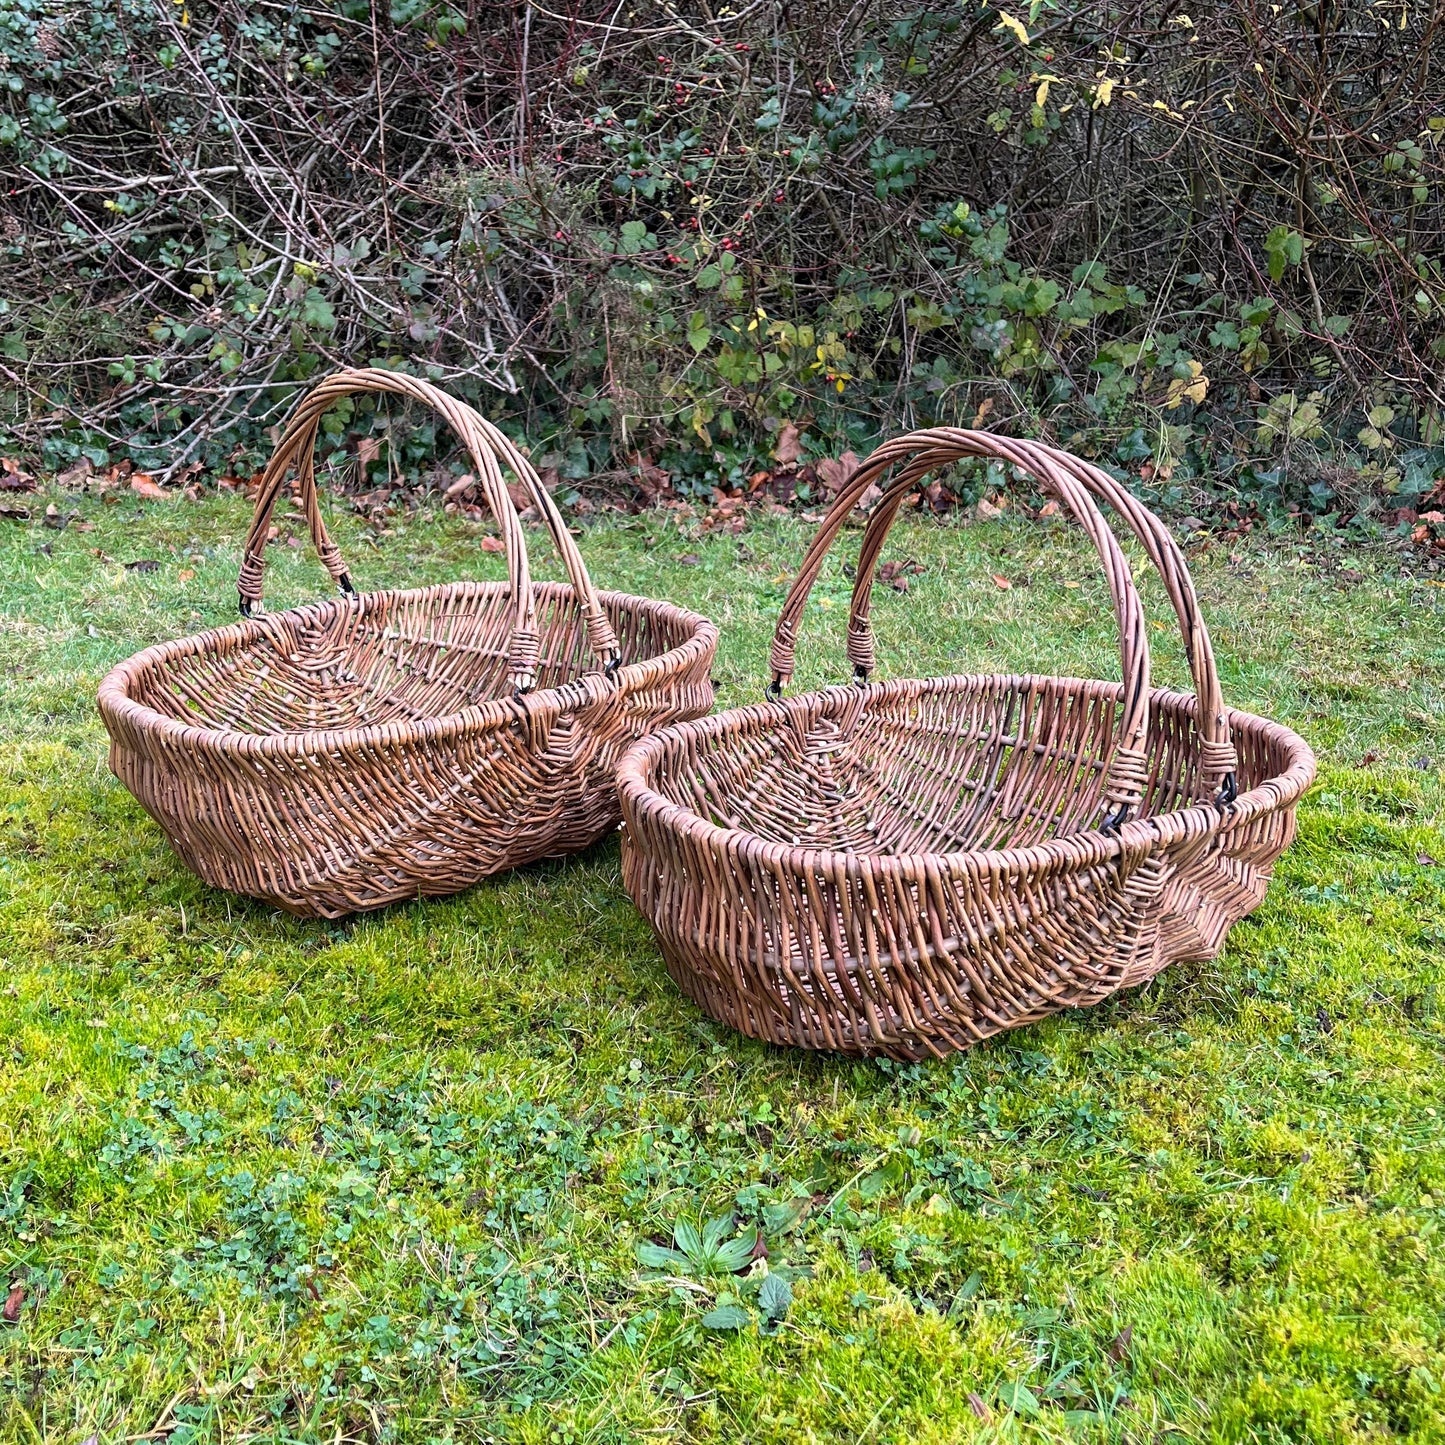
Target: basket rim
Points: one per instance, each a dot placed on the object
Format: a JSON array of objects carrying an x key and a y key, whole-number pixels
[
  {"x": 117, "y": 705},
  {"x": 1085, "y": 848}
]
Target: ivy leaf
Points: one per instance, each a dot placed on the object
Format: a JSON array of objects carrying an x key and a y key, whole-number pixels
[
  {"x": 726, "y": 1317},
  {"x": 316, "y": 311},
  {"x": 635, "y": 237}
]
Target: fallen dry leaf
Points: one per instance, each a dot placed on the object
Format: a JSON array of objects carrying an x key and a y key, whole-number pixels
[
  {"x": 1120, "y": 1347},
  {"x": 1049, "y": 509},
  {"x": 13, "y": 1301},
  {"x": 689, "y": 559},
  {"x": 986, "y": 511},
  {"x": 981, "y": 415},
  {"x": 144, "y": 485},
  {"x": 1370, "y": 757},
  {"x": 368, "y": 449},
  {"x": 15, "y": 514},
  {"x": 57, "y": 520},
  {"x": 12, "y": 478},
  {"x": 463, "y": 483},
  {"x": 789, "y": 447},
  {"x": 143, "y": 564},
  {"x": 834, "y": 473},
  {"x": 489, "y": 543},
  {"x": 186, "y": 573},
  {"x": 77, "y": 475},
  {"x": 974, "y": 1402},
  {"x": 1001, "y": 582},
  {"x": 896, "y": 574},
  {"x": 653, "y": 480},
  {"x": 1426, "y": 861}
]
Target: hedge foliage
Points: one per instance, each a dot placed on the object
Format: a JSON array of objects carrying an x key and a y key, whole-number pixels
[{"x": 1208, "y": 237}]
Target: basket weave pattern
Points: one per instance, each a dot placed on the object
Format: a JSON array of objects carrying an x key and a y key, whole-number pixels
[
  {"x": 367, "y": 749},
  {"x": 908, "y": 867}
]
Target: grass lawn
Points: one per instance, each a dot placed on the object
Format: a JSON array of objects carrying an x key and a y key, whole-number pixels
[{"x": 263, "y": 1179}]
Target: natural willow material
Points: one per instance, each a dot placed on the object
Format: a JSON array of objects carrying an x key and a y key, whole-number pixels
[
  {"x": 905, "y": 868},
  {"x": 372, "y": 748}
]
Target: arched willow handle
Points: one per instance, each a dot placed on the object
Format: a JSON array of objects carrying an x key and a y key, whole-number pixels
[
  {"x": 1218, "y": 760},
  {"x": 918, "y": 454},
  {"x": 484, "y": 443}
]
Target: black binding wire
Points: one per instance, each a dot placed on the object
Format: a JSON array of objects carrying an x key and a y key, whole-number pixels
[
  {"x": 1228, "y": 791},
  {"x": 860, "y": 675},
  {"x": 1115, "y": 820},
  {"x": 775, "y": 688},
  {"x": 244, "y": 604}
]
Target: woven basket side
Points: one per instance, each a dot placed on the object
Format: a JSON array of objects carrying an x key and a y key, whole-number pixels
[{"x": 920, "y": 955}]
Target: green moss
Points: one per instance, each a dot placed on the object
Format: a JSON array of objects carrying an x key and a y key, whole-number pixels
[{"x": 280, "y": 1180}]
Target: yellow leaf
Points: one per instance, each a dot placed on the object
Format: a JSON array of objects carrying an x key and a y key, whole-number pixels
[
  {"x": 1041, "y": 95},
  {"x": 1103, "y": 93},
  {"x": 1014, "y": 24},
  {"x": 1180, "y": 391}
]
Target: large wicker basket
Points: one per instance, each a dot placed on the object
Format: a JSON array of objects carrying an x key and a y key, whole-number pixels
[
  {"x": 377, "y": 747},
  {"x": 905, "y": 868}
]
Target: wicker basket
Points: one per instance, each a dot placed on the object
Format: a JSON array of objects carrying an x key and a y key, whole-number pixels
[
  {"x": 377, "y": 747},
  {"x": 905, "y": 868}
]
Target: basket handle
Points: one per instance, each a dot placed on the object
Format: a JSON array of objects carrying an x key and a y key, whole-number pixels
[
  {"x": 1219, "y": 761},
  {"x": 921, "y": 453},
  {"x": 483, "y": 441},
  {"x": 600, "y": 633}
]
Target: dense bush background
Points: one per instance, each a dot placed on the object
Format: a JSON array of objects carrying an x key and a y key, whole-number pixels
[{"x": 1203, "y": 241}]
